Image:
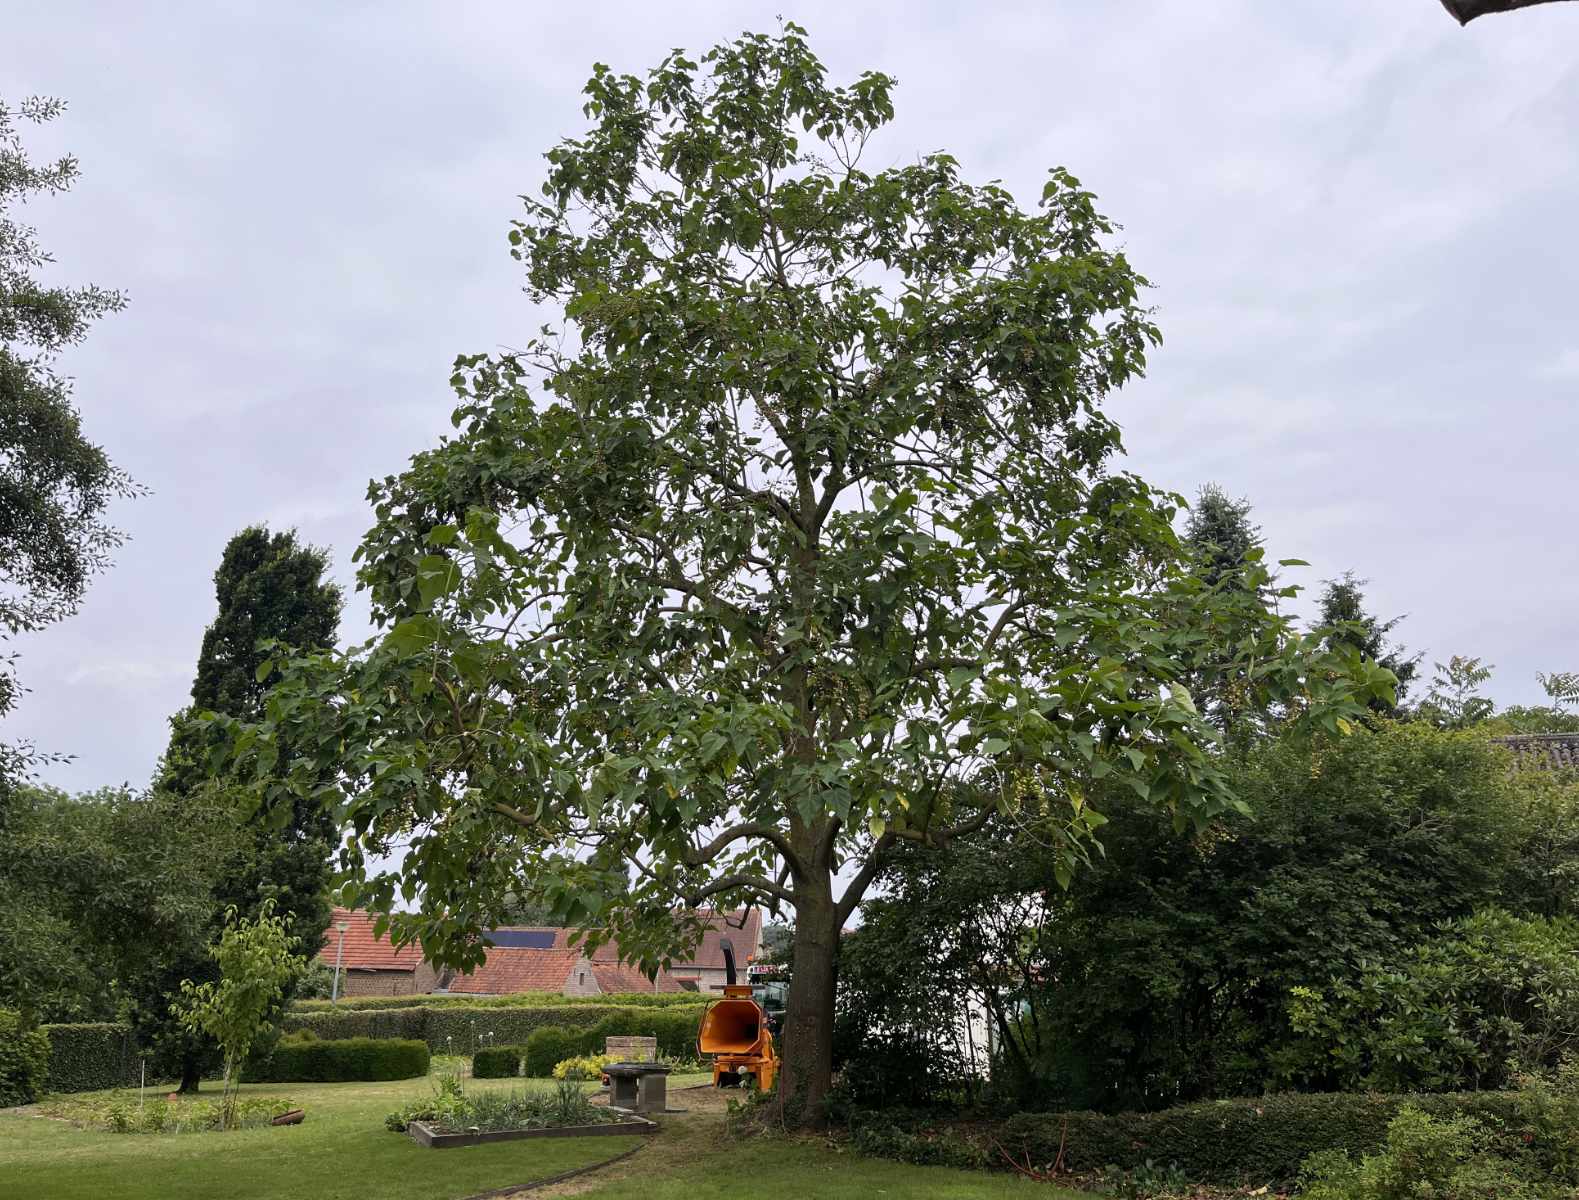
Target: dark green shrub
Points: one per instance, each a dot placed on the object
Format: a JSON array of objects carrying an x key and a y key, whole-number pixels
[
  {"x": 675, "y": 1031},
  {"x": 882, "y": 1138},
  {"x": 1229, "y": 1141},
  {"x": 362, "y": 1023},
  {"x": 344, "y": 1060},
  {"x": 90, "y": 1057},
  {"x": 497, "y": 1062},
  {"x": 24, "y": 1060},
  {"x": 463, "y": 1029},
  {"x": 551, "y": 1045},
  {"x": 1478, "y": 1001},
  {"x": 466, "y": 1029}
]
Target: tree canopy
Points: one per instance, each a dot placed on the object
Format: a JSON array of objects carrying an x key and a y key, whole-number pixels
[
  {"x": 55, "y": 484},
  {"x": 1182, "y": 968},
  {"x": 799, "y": 538},
  {"x": 270, "y": 590},
  {"x": 1343, "y": 612}
]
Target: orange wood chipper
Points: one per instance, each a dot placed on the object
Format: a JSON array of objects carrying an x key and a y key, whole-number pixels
[{"x": 734, "y": 1032}]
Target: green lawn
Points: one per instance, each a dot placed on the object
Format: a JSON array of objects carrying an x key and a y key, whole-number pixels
[
  {"x": 343, "y": 1152},
  {"x": 340, "y": 1152},
  {"x": 787, "y": 1171}
]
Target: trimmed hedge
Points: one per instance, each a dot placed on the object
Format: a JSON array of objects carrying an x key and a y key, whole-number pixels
[
  {"x": 550, "y": 1046},
  {"x": 348, "y": 1060},
  {"x": 497, "y": 1062},
  {"x": 514, "y": 1000},
  {"x": 363, "y": 1023},
  {"x": 24, "y": 1060},
  {"x": 466, "y": 1030},
  {"x": 1235, "y": 1141},
  {"x": 90, "y": 1057}
]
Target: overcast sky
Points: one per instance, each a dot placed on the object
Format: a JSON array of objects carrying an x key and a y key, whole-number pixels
[{"x": 1361, "y": 220}]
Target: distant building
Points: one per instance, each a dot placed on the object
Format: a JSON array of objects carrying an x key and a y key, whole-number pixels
[
  {"x": 537, "y": 959},
  {"x": 369, "y": 965}
]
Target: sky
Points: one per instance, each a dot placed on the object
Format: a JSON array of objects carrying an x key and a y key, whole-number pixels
[{"x": 1358, "y": 218}]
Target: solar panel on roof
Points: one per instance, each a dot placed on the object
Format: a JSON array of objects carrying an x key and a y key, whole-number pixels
[{"x": 523, "y": 939}]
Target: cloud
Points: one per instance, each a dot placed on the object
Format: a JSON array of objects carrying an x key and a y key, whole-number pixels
[{"x": 1357, "y": 217}]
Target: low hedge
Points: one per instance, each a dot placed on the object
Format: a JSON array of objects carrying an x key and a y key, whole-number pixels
[
  {"x": 514, "y": 1000},
  {"x": 24, "y": 1060},
  {"x": 1231, "y": 1141},
  {"x": 362, "y": 1023},
  {"x": 90, "y": 1057},
  {"x": 497, "y": 1062},
  {"x": 466, "y": 1030},
  {"x": 347, "y": 1060},
  {"x": 552, "y": 1044}
]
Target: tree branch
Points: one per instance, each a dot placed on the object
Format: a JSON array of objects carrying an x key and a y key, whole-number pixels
[
  {"x": 701, "y": 855},
  {"x": 863, "y": 879},
  {"x": 726, "y": 883}
]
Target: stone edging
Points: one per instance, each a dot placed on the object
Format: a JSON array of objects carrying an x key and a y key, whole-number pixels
[{"x": 631, "y": 1123}]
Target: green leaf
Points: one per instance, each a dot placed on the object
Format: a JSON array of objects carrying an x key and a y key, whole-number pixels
[{"x": 958, "y": 677}]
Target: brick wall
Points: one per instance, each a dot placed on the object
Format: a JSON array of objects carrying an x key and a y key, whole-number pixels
[
  {"x": 632, "y": 1049},
  {"x": 386, "y": 983}
]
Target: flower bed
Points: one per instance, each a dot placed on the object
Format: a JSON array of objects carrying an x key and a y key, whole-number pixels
[
  {"x": 121, "y": 1112},
  {"x": 453, "y": 1118}
]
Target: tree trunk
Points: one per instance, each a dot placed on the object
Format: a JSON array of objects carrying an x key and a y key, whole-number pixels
[
  {"x": 807, "y": 1070},
  {"x": 191, "y": 1073}
]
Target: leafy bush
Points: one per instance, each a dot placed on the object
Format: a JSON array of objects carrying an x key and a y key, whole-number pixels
[
  {"x": 550, "y": 1046},
  {"x": 497, "y": 1062},
  {"x": 1485, "y": 998},
  {"x": 1462, "y": 1158},
  {"x": 463, "y": 1029},
  {"x": 451, "y": 1110},
  {"x": 878, "y": 1135},
  {"x": 90, "y": 1057},
  {"x": 1164, "y": 973},
  {"x": 125, "y": 1114},
  {"x": 308, "y": 1060},
  {"x": 24, "y": 1060},
  {"x": 1222, "y": 1141},
  {"x": 585, "y": 1066},
  {"x": 368, "y": 1022}
]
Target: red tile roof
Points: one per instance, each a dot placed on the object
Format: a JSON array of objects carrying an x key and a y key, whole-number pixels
[
  {"x": 743, "y": 927},
  {"x": 511, "y": 969},
  {"x": 616, "y": 977},
  {"x": 363, "y": 951}
]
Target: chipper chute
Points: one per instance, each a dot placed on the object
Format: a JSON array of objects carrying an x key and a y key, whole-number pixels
[{"x": 734, "y": 1033}]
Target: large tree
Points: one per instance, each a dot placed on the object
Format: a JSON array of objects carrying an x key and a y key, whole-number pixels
[
  {"x": 54, "y": 484},
  {"x": 1342, "y": 611},
  {"x": 813, "y": 544},
  {"x": 1228, "y": 552},
  {"x": 100, "y": 893},
  {"x": 270, "y": 589}
]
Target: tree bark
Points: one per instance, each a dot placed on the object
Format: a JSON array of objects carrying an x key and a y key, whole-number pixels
[
  {"x": 806, "y": 1072},
  {"x": 191, "y": 1073}
]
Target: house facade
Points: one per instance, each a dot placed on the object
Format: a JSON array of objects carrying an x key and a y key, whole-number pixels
[
  {"x": 525, "y": 958},
  {"x": 369, "y": 965}
]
